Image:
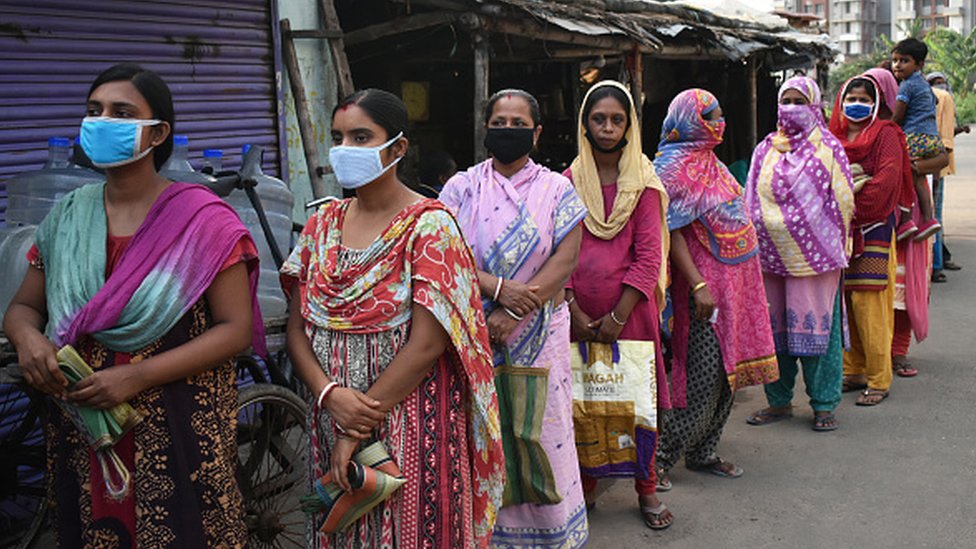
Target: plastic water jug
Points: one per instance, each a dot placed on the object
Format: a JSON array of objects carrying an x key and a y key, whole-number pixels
[
  {"x": 213, "y": 161},
  {"x": 31, "y": 195},
  {"x": 277, "y": 201},
  {"x": 14, "y": 245},
  {"x": 178, "y": 167}
]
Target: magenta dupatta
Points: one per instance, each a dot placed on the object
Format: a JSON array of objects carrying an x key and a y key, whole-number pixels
[{"x": 171, "y": 261}]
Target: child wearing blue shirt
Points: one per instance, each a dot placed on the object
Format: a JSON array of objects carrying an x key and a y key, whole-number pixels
[{"x": 915, "y": 112}]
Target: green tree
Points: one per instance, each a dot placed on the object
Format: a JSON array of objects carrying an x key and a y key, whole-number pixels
[{"x": 955, "y": 55}]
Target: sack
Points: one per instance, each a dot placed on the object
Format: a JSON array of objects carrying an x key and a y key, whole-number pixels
[
  {"x": 102, "y": 429},
  {"x": 615, "y": 407},
  {"x": 522, "y": 394},
  {"x": 374, "y": 477}
]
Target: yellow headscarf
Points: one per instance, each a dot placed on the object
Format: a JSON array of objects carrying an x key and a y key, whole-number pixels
[{"x": 636, "y": 174}]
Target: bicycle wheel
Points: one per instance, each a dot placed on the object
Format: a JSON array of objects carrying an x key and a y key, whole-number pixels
[
  {"x": 23, "y": 467},
  {"x": 272, "y": 453}
]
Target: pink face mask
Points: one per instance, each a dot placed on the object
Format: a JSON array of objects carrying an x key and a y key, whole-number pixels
[{"x": 797, "y": 119}]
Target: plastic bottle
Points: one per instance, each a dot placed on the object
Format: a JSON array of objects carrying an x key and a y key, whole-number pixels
[
  {"x": 31, "y": 195},
  {"x": 178, "y": 167},
  {"x": 277, "y": 201},
  {"x": 213, "y": 160}
]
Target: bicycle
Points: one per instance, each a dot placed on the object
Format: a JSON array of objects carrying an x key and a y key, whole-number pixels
[{"x": 272, "y": 438}]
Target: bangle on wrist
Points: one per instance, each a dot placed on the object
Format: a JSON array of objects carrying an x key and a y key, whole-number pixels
[
  {"x": 699, "y": 286},
  {"x": 329, "y": 387},
  {"x": 498, "y": 288},
  {"x": 613, "y": 317},
  {"x": 512, "y": 314}
]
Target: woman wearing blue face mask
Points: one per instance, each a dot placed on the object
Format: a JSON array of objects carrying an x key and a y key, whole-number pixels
[
  {"x": 153, "y": 283},
  {"x": 881, "y": 170},
  {"x": 387, "y": 334}
]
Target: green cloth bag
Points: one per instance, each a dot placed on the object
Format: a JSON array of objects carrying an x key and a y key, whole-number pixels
[{"x": 522, "y": 394}]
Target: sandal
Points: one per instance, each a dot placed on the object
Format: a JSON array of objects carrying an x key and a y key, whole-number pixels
[
  {"x": 657, "y": 518},
  {"x": 938, "y": 277},
  {"x": 902, "y": 367},
  {"x": 664, "y": 483},
  {"x": 825, "y": 423},
  {"x": 849, "y": 385},
  {"x": 765, "y": 417},
  {"x": 719, "y": 467},
  {"x": 871, "y": 397}
]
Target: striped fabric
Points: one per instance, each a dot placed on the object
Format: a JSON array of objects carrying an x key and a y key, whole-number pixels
[
  {"x": 522, "y": 394},
  {"x": 374, "y": 477},
  {"x": 869, "y": 270}
]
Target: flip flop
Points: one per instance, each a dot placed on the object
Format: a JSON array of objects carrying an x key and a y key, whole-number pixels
[
  {"x": 862, "y": 399},
  {"x": 653, "y": 519},
  {"x": 820, "y": 423},
  {"x": 904, "y": 368},
  {"x": 716, "y": 469},
  {"x": 765, "y": 417},
  {"x": 664, "y": 483}
]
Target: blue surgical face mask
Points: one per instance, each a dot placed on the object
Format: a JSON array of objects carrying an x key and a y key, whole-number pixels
[
  {"x": 856, "y": 112},
  {"x": 112, "y": 142},
  {"x": 357, "y": 166}
]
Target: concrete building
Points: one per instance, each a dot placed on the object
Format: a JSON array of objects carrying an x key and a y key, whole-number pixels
[
  {"x": 856, "y": 24},
  {"x": 958, "y": 15}
]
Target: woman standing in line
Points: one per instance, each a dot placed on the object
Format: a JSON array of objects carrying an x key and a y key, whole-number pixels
[
  {"x": 153, "y": 282},
  {"x": 386, "y": 331},
  {"x": 721, "y": 336},
  {"x": 522, "y": 221},
  {"x": 618, "y": 287},
  {"x": 875, "y": 147},
  {"x": 800, "y": 198}
]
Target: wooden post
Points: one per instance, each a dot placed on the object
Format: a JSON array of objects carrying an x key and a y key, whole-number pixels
[
  {"x": 753, "y": 103},
  {"x": 481, "y": 73},
  {"x": 305, "y": 128},
  {"x": 637, "y": 80},
  {"x": 330, "y": 20}
]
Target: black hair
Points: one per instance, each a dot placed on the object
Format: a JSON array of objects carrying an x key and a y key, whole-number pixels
[
  {"x": 912, "y": 47},
  {"x": 433, "y": 165},
  {"x": 155, "y": 91},
  {"x": 865, "y": 83},
  {"x": 534, "y": 110},
  {"x": 384, "y": 108},
  {"x": 602, "y": 93}
]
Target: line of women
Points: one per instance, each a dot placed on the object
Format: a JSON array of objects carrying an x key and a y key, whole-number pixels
[{"x": 505, "y": 344}]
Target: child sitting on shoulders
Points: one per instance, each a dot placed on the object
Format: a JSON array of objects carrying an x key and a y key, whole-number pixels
[{"x": 915, "y": 113}]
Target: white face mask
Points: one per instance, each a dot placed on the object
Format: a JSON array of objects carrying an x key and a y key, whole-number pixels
[{"x": 357, "y": 166}]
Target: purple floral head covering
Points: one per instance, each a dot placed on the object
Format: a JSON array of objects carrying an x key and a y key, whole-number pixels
[{"x": 799, "y": 193}]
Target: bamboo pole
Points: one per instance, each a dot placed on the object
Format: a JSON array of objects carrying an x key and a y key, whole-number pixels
[
  {"x": 481, "y": 75},
  {"x": 330, "y": 20},
  {"x": 305, "y": 128}
]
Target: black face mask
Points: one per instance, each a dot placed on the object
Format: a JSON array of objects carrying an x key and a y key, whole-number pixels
[
  {"x": 509, "y": 144},
  {"x": 620, "y": 144}
]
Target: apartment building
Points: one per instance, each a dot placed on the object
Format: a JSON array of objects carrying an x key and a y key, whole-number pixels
[
  {"x": 958, "y": 15},
  {"x": 856, "y": 24}
]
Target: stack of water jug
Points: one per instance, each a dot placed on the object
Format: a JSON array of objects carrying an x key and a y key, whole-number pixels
[{"x": 32, "y": 195}]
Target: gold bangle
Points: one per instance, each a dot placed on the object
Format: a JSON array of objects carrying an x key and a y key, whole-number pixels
[{"x": 699, "y": 286}]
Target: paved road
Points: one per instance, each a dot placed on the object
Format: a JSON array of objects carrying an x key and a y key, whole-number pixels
[{"x": 900, "y": 475}]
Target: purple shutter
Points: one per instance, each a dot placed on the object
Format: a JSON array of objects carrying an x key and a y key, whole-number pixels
[{"x": 219, "y": 58}]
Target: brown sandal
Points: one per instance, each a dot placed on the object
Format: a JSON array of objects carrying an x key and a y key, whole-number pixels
[{"x": 871, "y": 397}]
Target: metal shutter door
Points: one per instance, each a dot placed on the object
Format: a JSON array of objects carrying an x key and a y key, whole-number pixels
[{"x": 219, "y": 58}]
